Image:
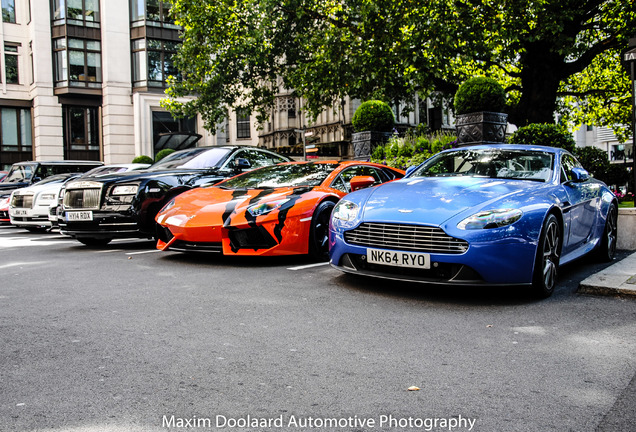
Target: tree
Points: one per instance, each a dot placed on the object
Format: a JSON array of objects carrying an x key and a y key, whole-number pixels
[{"x": 239, "y": 53}]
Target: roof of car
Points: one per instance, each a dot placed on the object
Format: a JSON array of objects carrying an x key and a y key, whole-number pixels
[{"x": 61, "y": 162}]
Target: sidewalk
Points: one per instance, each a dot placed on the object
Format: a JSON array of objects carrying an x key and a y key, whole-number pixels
[{"x": 617, "y": 279}]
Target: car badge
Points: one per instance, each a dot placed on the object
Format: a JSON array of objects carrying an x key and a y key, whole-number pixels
[{"x": 405, "y": 211}]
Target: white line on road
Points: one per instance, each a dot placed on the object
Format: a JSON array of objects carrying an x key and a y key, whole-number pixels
[
  {"x": 307, "y": 266},
  {"x": 143, "y": 252}
]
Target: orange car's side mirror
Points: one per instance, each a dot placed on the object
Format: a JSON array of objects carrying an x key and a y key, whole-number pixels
[{"x": 361, "y": 182}]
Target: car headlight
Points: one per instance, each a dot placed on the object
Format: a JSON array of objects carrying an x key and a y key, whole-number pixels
[
  {"x": 490, "y": 219},
  {"x": 264, "y": 208},
  {"x": 345, "y": 210},
  {"x": 125, "y": 190}
]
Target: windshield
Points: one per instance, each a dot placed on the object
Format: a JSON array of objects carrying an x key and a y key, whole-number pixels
[
  {"x": 277, "y": 176},
  {"x": 492, "y": 163},
  {"x": 195, "y": 158},
  {"x": 19, "y": 173}
]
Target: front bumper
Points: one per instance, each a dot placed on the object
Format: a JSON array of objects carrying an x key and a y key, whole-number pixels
[
  {"x": 103, "y": 225},
  {"x": 30, "y": 217},
  {"x": 507, "y": 261}
]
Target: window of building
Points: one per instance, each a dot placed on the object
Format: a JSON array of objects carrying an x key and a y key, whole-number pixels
[
  {"x": 77, "y": 12},
  {"x": 151, "y": 12},
  {"x": 11, "y": 64},
  {"x": 78, "y": 63},
  {"x": 153, "y": 63},
  {"x": 81, "y": 132},
  {"x": 16, "y": 130},
  {"x": 8, "y": 11},
  {"x": 243, "y": 129},
  {"x": 163, "y": 122}
]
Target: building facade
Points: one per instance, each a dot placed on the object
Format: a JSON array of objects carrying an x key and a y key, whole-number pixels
[{"x": 83, "y": 79}]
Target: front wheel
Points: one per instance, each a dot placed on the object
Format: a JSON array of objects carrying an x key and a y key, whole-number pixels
[
  {"x": 607, "y": 247},
  {"x": 546, "y": 265},
  {"x": 319, "y": 233},
  {"x": 94, "y": 242}
]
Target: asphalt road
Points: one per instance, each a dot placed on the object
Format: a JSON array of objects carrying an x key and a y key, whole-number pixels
[{"x": 126, "y": 338}]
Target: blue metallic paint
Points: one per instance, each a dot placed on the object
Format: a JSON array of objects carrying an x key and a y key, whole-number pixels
[{"x": 503, "y": 255}]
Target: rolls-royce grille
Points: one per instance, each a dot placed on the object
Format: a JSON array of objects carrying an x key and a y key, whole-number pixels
[
  {"x": 22, "y": 201},
  {"x": 405, "y": 237},
  {"x": 82, "y": 198}
]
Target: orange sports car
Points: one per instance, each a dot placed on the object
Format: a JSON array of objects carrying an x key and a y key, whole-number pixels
[{"x": 277, "y": 210}]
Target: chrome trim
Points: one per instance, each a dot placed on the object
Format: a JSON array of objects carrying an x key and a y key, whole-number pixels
[{"x": 417, "y": 238}]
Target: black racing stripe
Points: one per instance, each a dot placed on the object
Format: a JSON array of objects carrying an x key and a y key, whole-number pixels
[
  {"x": 231, "y": 205},
  {"x": 282, "y": 212}
]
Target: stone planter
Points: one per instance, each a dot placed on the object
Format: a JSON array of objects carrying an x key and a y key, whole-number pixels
[
  {"x": 626, "y": 229},
  {"x": 482, "y": 127},
  {"x": 365, "y": 142}
]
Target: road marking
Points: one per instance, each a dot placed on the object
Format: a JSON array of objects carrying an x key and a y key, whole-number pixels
[
  {"x": 143, "y": 252},
  {"x": 107, "y": 251},
  {"x": 16, "y": 264},
  {"x": 303, "y": 267}
]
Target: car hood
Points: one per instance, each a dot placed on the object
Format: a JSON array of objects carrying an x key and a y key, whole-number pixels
[
  {"x": 141, "y": 175},
  {"x": 216, "y": 205},
  {"x": 434, "y": 200},
  {"x": 55, "y": 187}
]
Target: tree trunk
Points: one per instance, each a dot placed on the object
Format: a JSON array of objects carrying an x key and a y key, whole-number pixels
[{"x": 540, "y": 77}]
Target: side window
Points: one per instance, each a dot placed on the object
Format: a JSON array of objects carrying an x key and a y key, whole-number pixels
[
  {"x": 568, "y": 163},
  {"x": 350, "y": 173}
]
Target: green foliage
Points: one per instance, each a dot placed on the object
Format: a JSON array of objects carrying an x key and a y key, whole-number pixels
[
  {"x": 550, "y": 135},
  {"x": 373, "y": 115},
  {"x": 594, "y": 160},
  {"x": 549, "y": 55},
  {"x": 143, "y": 159},
  {"x": 479, "y": 94},
  {"x": 411, "y": 150},
  {"x": 163, "y": 153}
]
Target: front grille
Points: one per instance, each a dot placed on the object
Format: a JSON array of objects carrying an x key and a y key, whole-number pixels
[
  {"x": 22, "y": 201},
  {"x": 250, "y": 238},
  {"x": 82, "y": 199},
  {"x": 415, "y": 238}
]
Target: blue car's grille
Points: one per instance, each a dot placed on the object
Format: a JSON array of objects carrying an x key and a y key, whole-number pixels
[{"x": 405, "y": 237}]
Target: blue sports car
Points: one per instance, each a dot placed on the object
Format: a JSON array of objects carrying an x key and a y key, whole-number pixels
[{"x": 477, "y": 215}]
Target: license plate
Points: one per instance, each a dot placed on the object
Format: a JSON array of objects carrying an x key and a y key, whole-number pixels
[
  {"x": 79, "y": 216},
  {"x": 399, "y": 259},
  {"x": 19, "y": 212}
]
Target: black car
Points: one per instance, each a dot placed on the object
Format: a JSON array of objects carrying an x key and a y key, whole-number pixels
[
  {"x": 24, "y": 174},
  {"x": 97, "y": 209}
]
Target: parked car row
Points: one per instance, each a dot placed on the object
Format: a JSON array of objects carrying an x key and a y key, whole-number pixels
[{"x": 478, "y": 215}]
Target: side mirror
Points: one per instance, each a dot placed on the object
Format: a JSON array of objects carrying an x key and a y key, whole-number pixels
[
  {"x": 242, "y": 164},
  {"x": 409, "y": 170},
  {"x": 361, "y": 182},
  {"x": 580, "y": 175}
]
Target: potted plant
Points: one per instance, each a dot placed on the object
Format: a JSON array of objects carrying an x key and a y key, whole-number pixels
[
  {"x": 372, "y": 123},
  {"x": 479, "y": 103}
]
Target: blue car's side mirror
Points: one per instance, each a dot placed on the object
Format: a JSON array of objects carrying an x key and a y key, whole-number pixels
[
  {"x": 580, "y": 175},
  {"x": 409, "y": 170}
]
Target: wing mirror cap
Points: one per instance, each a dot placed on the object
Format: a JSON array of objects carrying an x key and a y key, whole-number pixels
[{"x": 361, "y": 182}]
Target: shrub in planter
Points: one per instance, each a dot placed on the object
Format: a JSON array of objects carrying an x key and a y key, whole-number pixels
[
  {"x": 143, "y": 159},
  {"x": 479, "y": 94},
  {"x": 162, "y": 154},
  {"x": 547, "y": 134},
  {"x": 373, "y": 115}
]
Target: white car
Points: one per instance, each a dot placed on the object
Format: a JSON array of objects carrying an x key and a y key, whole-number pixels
[{"x": 29, "y": 206}]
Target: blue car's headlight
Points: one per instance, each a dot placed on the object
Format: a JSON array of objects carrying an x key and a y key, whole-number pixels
[
  {"x": 345, "y": 211},
  {"x": 264, "y": 208},
  {"x": 490, "y": 219}
]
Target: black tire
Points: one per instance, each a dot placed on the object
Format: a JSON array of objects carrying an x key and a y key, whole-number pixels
[
  {"x": 319, "y": 232},
  {"x": 607, "y": 246},
  {"x": 546, "y": 266},
  {"x": 93, "y": 242}
]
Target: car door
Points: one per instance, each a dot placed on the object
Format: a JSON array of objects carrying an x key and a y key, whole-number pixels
[{"x": 581, "y": 206}]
